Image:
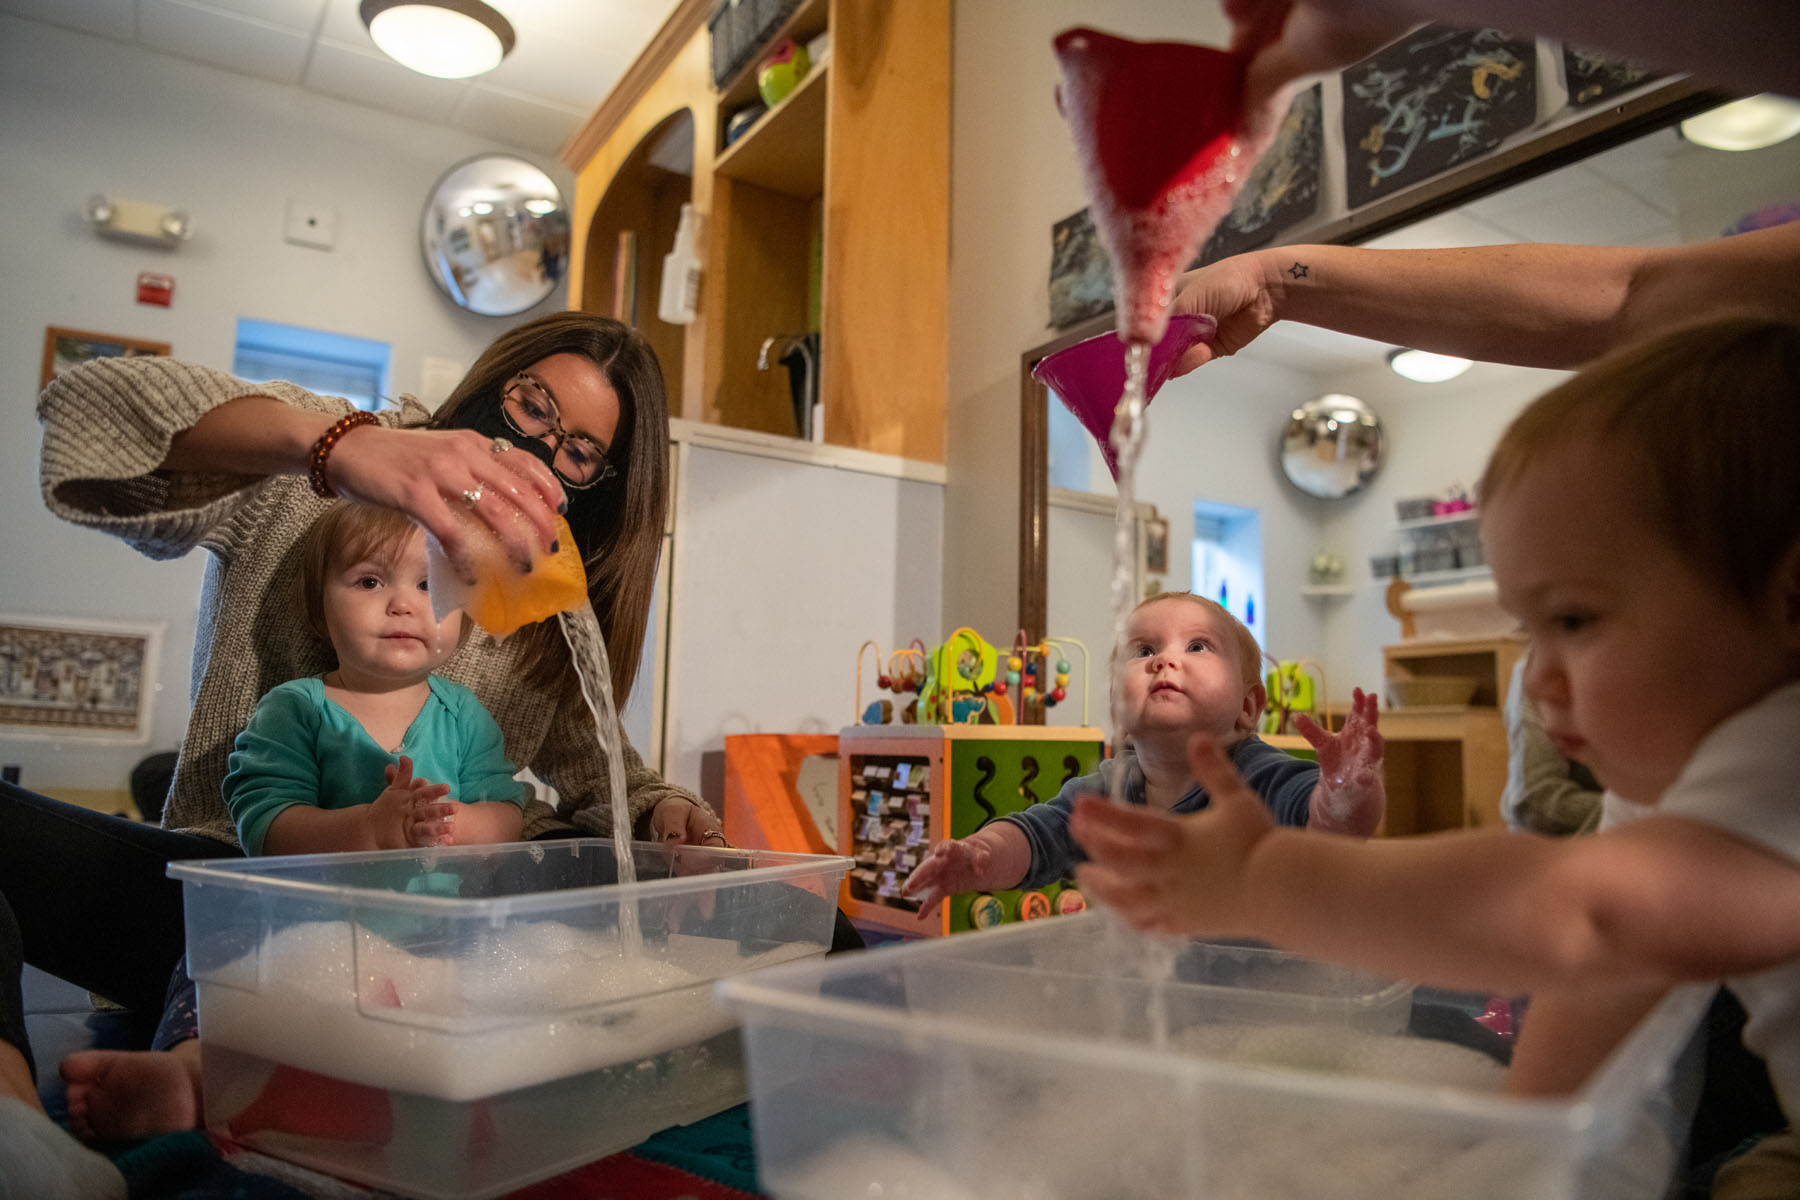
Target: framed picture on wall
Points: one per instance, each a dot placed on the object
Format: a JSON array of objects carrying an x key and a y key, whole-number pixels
[
  {"x": 79, "y": 678},
  {"x": 65, "y": 348},
  {"x": 1156, "y": 546}
]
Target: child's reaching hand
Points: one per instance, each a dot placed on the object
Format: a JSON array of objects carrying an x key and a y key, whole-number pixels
[
  {"x": 1351, "y": 796},
  {"x": 954, "y": 865},
  {"x": 410, "y": 813},
  {"x": 1175, "y": 874}
]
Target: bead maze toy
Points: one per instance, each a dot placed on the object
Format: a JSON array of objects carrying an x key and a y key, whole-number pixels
[{"x": 947, "y": 762}]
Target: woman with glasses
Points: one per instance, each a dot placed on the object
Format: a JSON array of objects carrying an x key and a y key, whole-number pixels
[{"x": 566, "y": 412}]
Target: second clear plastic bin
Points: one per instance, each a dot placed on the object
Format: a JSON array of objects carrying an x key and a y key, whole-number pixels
[{"x": 1037, "y": 1061}]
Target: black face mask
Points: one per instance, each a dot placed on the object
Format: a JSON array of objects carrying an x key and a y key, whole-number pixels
[{"x": 587, "y": 506}]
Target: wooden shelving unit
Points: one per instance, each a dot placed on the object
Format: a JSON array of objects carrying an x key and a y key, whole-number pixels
[
  {"x": 866, "y": 131},
  {"x": 785, "y": 150}
]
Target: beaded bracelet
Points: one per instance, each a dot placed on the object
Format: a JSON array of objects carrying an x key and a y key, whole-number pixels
[{"x": 327, "y": 441}]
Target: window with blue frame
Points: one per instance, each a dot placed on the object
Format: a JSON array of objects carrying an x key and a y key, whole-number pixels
[{"x": 331, "y": 364}]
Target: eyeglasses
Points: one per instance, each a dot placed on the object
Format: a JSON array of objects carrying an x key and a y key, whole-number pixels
[{"x": 579, "y": 461}]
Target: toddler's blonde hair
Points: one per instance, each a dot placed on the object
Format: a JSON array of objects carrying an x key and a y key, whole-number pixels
[
  {"x": 348, "y": 532},
  {"x": 1708, "y": 413}
]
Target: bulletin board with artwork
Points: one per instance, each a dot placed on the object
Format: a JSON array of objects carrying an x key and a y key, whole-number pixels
[
  {"x": 1434, "y": 99},
  {"x": 82, "y": 678},
  {"x": 66, "y": 348}
]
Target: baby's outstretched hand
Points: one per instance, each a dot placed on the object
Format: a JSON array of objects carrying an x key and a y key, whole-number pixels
[
  {"x": 952, "y": 866},
  {"x": 1351, "y": 796},
  {"x": 1174, "y": 874}
]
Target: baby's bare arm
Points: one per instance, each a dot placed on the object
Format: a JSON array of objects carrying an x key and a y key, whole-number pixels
[
  {"x": 1569, "y": 1031},
  {"x": 1661, "y": 900}
]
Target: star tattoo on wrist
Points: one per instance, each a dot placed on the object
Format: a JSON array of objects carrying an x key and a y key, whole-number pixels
[{"x": 1299, "y": 270}]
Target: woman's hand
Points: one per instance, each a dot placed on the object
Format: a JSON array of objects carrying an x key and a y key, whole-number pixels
[
  {"x": 1290, "y": 38},
  {"x": 678, "y": 819},
  {"x": 1351, "y": 796},
  {"x": 1233, "y": 292},
  {"x": 459, "y": 485}
]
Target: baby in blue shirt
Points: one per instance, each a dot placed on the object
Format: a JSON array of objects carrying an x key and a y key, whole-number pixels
[{"x": 1184, "y": 666}]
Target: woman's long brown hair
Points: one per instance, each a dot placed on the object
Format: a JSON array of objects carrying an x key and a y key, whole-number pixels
[{"x": 619, "y": 524}]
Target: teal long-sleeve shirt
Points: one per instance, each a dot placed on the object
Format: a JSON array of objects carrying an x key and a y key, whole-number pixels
[{"x": 301, "y": 747}]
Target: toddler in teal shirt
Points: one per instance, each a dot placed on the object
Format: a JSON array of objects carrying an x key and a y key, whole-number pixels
[{"x": 375, "y": 754}]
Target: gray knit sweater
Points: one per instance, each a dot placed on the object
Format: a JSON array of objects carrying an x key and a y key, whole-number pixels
[{"x": 108, "y": 423}]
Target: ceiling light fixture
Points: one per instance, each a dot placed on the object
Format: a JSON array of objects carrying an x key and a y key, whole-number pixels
[
  {"x": 1422, "y": 366},
  {"x": 450, "y": 39},
  {"x": 1747, "y": 124}
]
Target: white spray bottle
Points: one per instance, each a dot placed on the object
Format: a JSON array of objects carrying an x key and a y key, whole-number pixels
[{"x": 681, "y": 272}]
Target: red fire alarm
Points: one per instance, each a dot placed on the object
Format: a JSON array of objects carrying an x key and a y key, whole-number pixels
[{"x": 155, "y": 289}]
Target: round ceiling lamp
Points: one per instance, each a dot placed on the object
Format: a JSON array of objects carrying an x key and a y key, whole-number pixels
[
  {"x": 450, "y": 39},
  {"x": 1747, "y": 124},
  {"x": 1422, "y": 366}
]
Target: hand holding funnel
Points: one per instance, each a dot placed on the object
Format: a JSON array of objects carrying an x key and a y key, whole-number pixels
[
  {"x": 1089, "y": 375},
  {"x": 1165, "y": 144}
]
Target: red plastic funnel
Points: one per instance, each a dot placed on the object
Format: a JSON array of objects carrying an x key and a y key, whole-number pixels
[
  {"x": 1159, "y": 127},
  {"x": 1089, "y": 376}
]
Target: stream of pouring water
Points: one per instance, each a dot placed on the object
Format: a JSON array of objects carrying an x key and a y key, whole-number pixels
[
  {"x": 1151, "y": 958},
  {"x": 587, "y": 646}
]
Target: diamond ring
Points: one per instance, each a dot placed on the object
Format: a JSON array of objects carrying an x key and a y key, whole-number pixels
[
  {"x": 472, "y": 496},
  {"x": 500, "y": 445}
]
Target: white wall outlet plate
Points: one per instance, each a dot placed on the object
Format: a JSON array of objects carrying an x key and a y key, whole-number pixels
[{"x": 310, "y": 224}]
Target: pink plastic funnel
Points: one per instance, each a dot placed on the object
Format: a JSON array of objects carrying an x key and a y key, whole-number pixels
[
  {"x": 1089, "y": 376},
  {"x": 1165, "y": 145}
]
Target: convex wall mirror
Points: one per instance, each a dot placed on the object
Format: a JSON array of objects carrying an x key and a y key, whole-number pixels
[
  {"x": 1331, "y": 447},
  {"x": 495, "y": 234}
]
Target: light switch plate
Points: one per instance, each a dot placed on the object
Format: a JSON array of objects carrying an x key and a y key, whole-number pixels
[{"x": 310, "y": 224}]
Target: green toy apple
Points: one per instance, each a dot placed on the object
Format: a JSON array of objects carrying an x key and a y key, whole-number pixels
[{"x": 782, "y": 71}]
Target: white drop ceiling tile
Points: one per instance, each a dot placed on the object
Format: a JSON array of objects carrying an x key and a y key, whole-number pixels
[
  {"x": 1559, "y": 185},
  {"x": 1456, "y": 228},
  {"x": 241, "y": 44},
  {"x": 343, "y": 25},
  {"x": 560, "y": 71},
  {"x": 115, "y": 19},
  {"x": 1606, "y": 216},
  {"x": 379, "y": 82},
  {"x": 518, "y": 120},
  {"x": 1641, "y": 167},
  {"x": 302, "y": 15}
]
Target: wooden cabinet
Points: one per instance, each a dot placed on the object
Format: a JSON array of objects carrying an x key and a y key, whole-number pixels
[
  {"x": 829, "y": 214},
  {"x": 1446, "y": 764}
]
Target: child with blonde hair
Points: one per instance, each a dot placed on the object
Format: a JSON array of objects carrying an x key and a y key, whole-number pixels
[
  {"x": 1184, "y": 666},
  {"x": 1643, "y": 522}
]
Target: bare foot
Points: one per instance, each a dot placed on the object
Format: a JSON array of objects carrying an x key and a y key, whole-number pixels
[{"x": 122, "y": 1095}]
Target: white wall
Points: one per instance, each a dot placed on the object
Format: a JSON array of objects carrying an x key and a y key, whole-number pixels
[
  {"x": 783, "y": 568},
  {"x": 85, "y": 115}
]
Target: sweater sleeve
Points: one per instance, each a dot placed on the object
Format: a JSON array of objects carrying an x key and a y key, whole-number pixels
[
  {"x": 108, "y": 424},
  {"x": 273, "y": 764}
]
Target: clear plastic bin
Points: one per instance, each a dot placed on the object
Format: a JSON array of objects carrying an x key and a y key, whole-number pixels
[
  {"x": 1028, "y": 1062},
  {"x": 462, "y": 1022}
]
